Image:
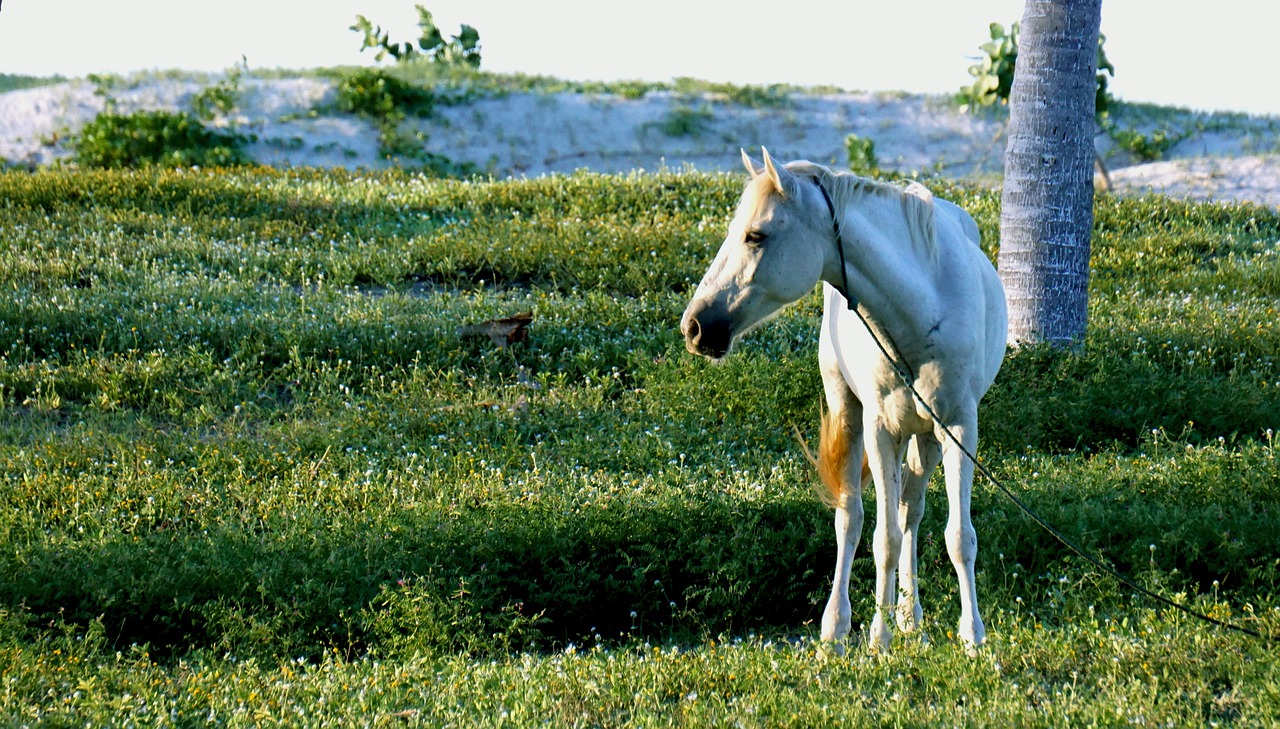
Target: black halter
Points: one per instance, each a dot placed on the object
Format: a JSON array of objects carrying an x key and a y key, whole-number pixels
[{"x": 835, "y": 228}]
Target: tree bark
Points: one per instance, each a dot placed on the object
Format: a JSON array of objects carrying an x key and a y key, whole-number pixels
[{"x": 1047, "y": 203}]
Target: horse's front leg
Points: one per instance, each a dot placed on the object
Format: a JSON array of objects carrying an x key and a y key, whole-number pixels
[
  {"x": 884, "y": 455},
  {"x": 962, "y": 539},
  {"x": 923, "y": 457},
  {"x": 843, "y": 469},
  {"x": 841, "y": 452}
]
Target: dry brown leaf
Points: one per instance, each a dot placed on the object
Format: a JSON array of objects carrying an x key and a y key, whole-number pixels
[{"x": 502, "y": 332}]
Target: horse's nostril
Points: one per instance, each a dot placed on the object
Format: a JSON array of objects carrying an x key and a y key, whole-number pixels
[{"x": 708, "y": 337}]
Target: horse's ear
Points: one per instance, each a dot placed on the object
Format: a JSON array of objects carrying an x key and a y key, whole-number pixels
[
  {"x": 755, "y": 167},
  {"x": 783, "y": 181}
]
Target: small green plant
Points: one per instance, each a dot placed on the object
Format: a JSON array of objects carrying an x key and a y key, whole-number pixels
[
  {"x": 427, "y": 615},
  {"x": 685, "y": 121},
  {"x": 1144, "y": 147},
  {"x": 387, "y": 101},
  {"x": 221, "y": 98},
  {"x": 380, "y": 96},
  {"x": 634, "y": 90},
  {"x": 993, "y": 74},
  {"x": 160, "y": 138},
  {"x": 862, "y": 155},
  {"x": 462, "y": 49},
  {"x": 104, "y": 86}
]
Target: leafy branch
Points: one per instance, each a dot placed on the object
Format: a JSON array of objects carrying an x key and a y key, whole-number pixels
[
  {"x": 993, "y": 74},
  {"x": 462, "y": 49}
]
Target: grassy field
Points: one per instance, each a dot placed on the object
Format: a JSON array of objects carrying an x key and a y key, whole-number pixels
[{"x": 253, "y": 474}]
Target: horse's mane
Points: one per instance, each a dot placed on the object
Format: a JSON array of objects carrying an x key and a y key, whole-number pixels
[{"x": 848, "y": 189}]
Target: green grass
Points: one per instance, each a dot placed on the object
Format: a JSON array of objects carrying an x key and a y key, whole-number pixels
[{"x": 252, "y": 474}]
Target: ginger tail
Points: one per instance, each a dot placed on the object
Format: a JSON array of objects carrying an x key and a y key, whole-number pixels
[{"x": 832, "y": 459}]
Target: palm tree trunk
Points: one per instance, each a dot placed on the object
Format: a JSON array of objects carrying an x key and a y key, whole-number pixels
[{"x": 1047, "y": 204}]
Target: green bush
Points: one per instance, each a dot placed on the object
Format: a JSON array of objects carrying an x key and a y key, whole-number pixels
[
  {"x": 382, "y": 97},
  {"x": 1147, "y": 148},
  {"x": 686, "y": 121},
  {"x": 160, "y": 138},
  {"x": 220, "y": 98},
  {"x": 862, "y": 155}
]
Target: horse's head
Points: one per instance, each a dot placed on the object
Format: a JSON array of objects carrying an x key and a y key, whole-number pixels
[{"x": 773, "y": 255}]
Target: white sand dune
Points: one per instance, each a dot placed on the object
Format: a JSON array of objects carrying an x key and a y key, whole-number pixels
[{"x": 1233, "y": 158}]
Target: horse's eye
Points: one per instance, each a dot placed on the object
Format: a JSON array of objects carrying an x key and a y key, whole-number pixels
[{"x": 754, "y": 237}]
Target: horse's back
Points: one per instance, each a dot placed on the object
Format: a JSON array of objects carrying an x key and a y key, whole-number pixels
[{"x": 968, "y": 226}]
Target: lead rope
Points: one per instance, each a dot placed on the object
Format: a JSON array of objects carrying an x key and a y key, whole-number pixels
[{"x": 908, "y": 378}]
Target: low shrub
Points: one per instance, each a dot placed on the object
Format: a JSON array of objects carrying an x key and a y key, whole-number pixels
[
  {"x": 159, "y": 138},
  {"x": 862, "y": 155},
  {"x": 1147, "y": 148},
  {"x": 380, "y": 96},
  {"x": 686, "y": 121}
]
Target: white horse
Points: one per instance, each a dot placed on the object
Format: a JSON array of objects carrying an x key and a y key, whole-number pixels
[{"x": 913, "y": 267}]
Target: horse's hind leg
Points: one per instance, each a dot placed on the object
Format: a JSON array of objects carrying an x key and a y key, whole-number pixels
[
  {"x": 922, "y": 458},
  {"x": 843, "y": 470}
]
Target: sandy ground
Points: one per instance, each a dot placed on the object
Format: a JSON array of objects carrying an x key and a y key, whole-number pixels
[{"x": 1219, "y": 157}]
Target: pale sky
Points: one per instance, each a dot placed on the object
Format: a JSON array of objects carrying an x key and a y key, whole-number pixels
[{"x": 1219, "y": 56}]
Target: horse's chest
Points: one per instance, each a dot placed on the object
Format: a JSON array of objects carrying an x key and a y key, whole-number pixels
[
  {"x": 900, "y": 414},
  {"x": 882, "y": 392}
]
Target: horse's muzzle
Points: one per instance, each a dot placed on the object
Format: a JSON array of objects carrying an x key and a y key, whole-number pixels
[{"x": 707, "y": 334}]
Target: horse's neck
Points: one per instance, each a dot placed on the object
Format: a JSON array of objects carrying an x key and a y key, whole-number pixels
[{"x": 892, "y": 279}]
